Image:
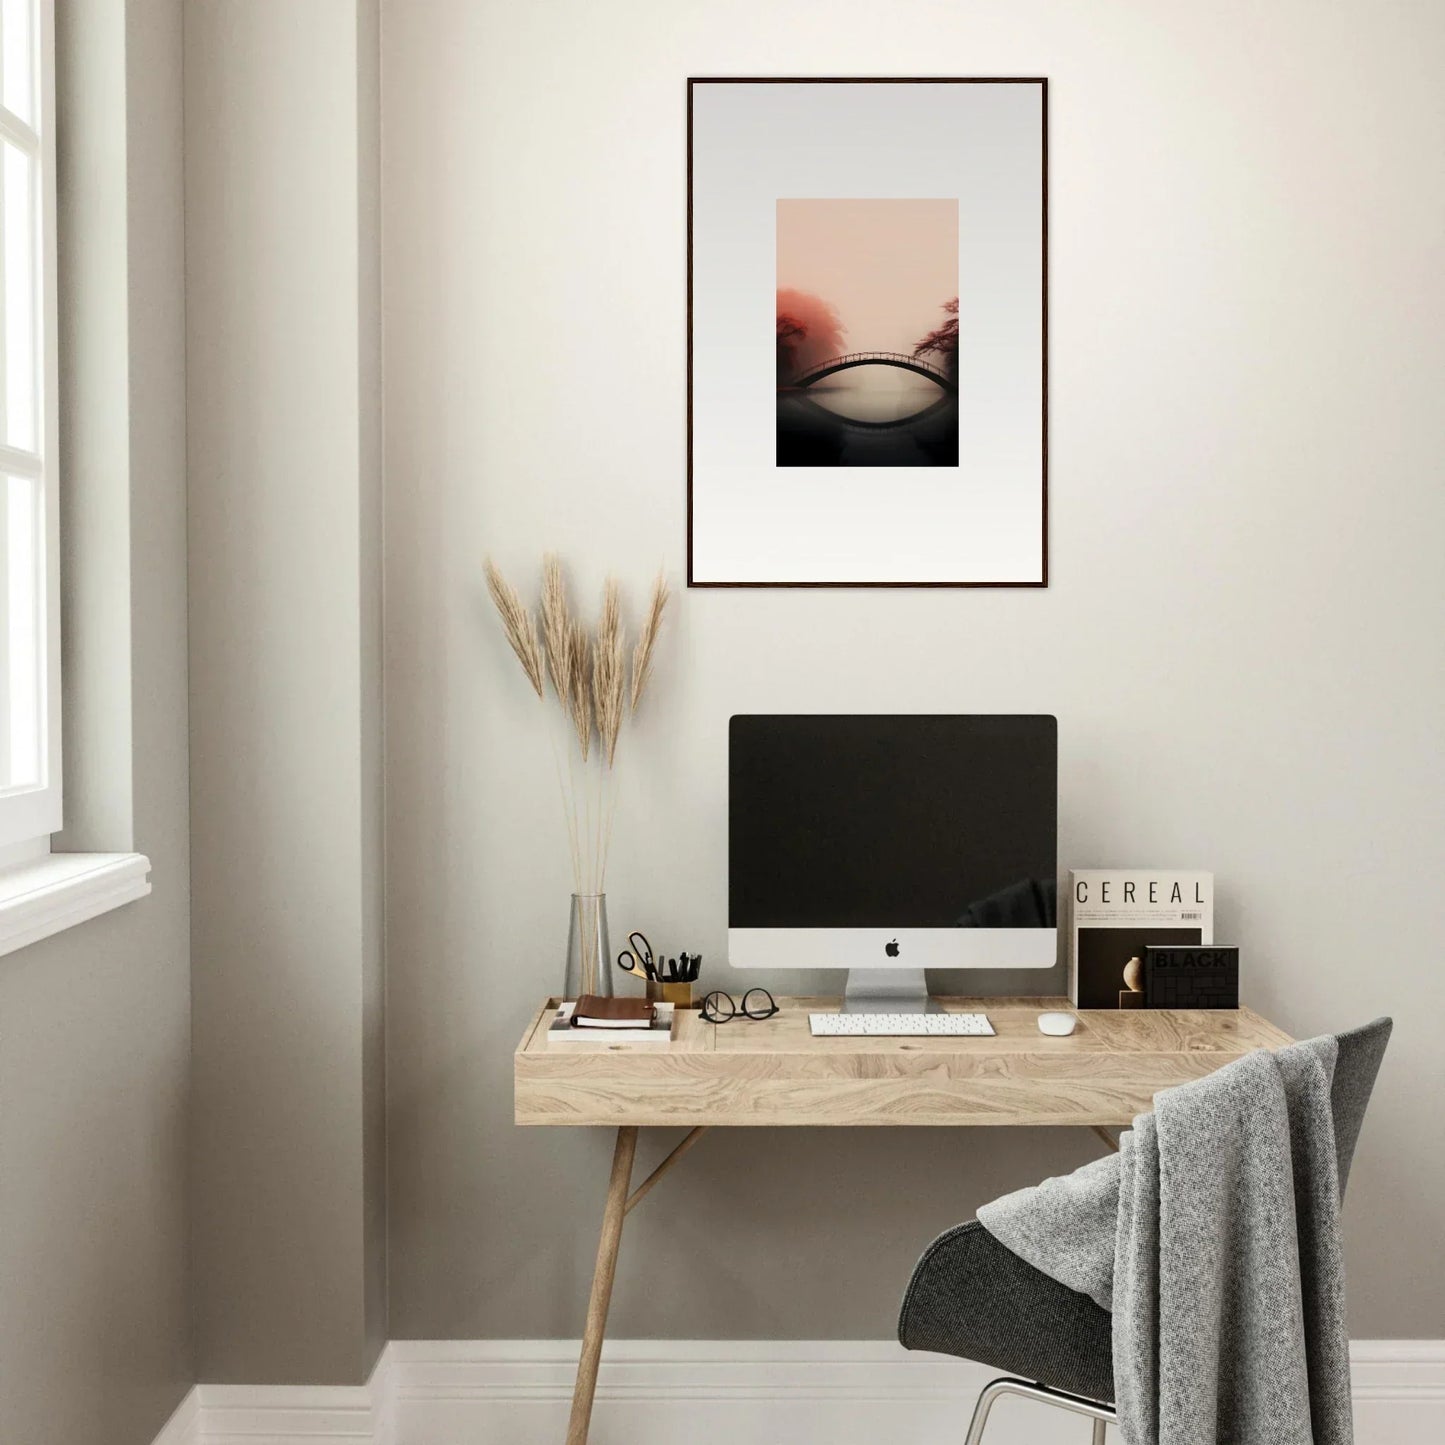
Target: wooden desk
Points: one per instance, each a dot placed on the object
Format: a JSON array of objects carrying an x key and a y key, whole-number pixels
[{"x": 774, "y": 1073}]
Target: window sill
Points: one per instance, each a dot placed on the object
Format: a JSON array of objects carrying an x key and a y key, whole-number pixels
[{"x": 58, "y": 891}]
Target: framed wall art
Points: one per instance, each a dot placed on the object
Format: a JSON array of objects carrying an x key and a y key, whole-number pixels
[{"x": 889, "y": 237}]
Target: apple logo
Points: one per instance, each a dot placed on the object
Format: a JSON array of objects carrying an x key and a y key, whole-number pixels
[{"x": 891, "y": 949}]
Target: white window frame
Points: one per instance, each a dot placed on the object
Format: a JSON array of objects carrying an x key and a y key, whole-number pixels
[
  {"x": 42, "y": 892},
  {"x": 29, "y": 815}
]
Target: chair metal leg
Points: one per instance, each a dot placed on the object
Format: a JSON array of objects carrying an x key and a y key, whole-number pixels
[
  {"x": 1102, "y": 1415},
  {"x": 980, "y": 1411}
]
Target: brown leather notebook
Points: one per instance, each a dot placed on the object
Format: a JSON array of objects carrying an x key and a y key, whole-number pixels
[{"x": 594, "y": 1012}]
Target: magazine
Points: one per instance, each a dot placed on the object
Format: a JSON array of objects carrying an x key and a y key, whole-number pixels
[{"x": 1114, "y": 913}]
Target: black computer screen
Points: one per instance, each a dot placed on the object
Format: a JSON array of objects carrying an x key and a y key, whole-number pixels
[{"x": 892, "y": 822}]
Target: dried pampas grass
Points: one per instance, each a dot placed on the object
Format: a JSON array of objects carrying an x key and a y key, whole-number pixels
[
  {"x": 647, "y": 640},
  {"x": 517, "y": 623},
  {"x": 589, "y": 677},
  {"x": 579, "y": 685},
  {"x": 609, "y": 672},
  {"x": 556, "y": 625}
]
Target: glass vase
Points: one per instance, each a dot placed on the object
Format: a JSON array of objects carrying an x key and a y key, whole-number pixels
[{"x": 589, "y": 956}]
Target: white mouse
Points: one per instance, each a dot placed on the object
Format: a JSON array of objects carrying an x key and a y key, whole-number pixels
[{"x": 1057, "y": 1024}]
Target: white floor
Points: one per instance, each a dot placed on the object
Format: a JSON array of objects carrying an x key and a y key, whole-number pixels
[{"x": 715, "y": 1392}]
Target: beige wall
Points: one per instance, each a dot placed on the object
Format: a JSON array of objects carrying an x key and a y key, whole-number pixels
[
  {"x": 94, "y": 1023},
  {"x": 1241, "y": 640},
  {"x": 283, "y": 415}
]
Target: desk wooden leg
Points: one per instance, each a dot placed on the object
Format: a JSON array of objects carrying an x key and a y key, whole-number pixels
[
  {"x": 1106, "y": 1136},
  {"x": 602, "y": 1277}
]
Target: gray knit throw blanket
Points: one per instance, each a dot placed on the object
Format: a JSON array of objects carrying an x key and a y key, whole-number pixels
[{"x": 1213, "y": 1236}]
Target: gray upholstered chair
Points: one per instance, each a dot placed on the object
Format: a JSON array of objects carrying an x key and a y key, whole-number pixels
[{"x": 972, "y": 1297}]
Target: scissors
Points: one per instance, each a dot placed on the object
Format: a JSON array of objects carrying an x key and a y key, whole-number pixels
[{"x": 637, "y": 958}]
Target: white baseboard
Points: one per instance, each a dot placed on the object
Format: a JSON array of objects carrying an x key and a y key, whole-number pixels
[
  {"x": 1399, "y": 1391},
  {"x": 184, "y": 1427},
  {"x": 713, "y": 1392}
]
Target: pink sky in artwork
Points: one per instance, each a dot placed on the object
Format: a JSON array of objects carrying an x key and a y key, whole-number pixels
[{"x": 886, "y": 267}]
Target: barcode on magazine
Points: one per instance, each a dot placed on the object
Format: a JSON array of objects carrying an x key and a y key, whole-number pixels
[{"x": 1191, "y": 917}]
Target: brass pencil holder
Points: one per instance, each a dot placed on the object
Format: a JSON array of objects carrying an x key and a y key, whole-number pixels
[{"x": 677, "y": 994}]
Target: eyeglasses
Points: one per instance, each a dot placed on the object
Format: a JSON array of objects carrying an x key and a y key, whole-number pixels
[{"x": 718, "y": 1007}]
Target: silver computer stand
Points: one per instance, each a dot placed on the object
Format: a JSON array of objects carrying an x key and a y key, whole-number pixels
[{"x": 887, "y": 991}]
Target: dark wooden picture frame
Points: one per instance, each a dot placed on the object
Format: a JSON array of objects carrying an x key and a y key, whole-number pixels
[{"x": 692, "y": 84}]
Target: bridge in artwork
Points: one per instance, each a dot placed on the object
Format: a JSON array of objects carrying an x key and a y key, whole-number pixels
[{"x": 915, "y": 364}]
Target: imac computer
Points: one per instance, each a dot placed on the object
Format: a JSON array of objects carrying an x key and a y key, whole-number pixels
[{"x": 887, "y": 845}]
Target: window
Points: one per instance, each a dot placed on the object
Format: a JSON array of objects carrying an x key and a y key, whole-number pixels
[
  {"x": 30, "y": 801},
  {"x": 41, "y": 892}
]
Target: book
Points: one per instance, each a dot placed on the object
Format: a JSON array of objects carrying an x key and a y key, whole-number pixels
[
  {"x": 562, "y": 1033},
  {"x": 594, "y": 1012},
  {"x": 1191, "y": 975},
  {"x": 1115, "y": 913}
]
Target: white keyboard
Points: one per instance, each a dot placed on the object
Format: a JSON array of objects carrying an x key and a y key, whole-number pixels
[{"x": 899, "y": 1026}]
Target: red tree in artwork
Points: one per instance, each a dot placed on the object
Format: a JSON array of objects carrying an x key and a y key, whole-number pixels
[
  {"x": 809, "y": 331},
  {"x": 791, "y": 333},
  {"x": 943, "y": 341}
]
